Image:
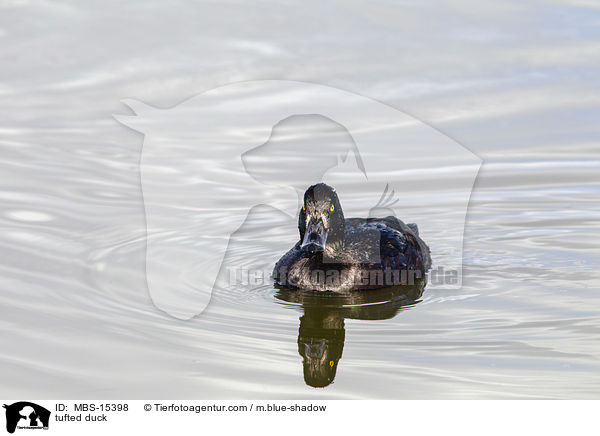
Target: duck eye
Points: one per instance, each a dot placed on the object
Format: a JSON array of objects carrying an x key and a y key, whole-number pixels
[
  {"x": 303, "y": 208},
  {"x": 331, "y": 208}
]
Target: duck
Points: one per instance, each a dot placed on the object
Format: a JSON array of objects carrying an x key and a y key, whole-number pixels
[{"x": 341, "y": 255}]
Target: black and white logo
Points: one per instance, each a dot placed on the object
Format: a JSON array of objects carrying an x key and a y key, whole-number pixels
[{"x": 26, "y": 415}]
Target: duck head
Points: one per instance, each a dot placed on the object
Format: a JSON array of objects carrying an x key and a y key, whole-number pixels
[{"x": 321, "y": 221}]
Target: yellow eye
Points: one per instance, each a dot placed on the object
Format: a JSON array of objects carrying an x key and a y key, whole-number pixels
[
  {"x": 331, "y": 363},
  {"x": 331, "y": 208}
]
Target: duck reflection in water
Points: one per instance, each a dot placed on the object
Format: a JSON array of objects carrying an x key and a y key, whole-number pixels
[{"x": 322, "y": 332}]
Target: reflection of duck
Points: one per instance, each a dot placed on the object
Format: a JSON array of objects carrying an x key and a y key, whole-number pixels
[
  {"x": 320, "y": 343},
  {"x": 322, "y": 332},
  {"x": 338, "y": 254}
]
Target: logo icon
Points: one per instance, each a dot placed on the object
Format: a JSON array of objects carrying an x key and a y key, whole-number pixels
[
  {"x": 209, "y": 162},
  {"x": 26, "y": 415}
]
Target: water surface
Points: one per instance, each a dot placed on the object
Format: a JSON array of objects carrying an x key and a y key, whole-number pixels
[{"x": 515, "y": 82}]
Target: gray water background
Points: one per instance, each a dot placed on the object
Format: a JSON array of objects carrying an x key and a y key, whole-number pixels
[{"x": 517, "y": 83}]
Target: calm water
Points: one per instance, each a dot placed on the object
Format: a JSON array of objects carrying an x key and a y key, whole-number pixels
[{"x": 516, "y": 84}]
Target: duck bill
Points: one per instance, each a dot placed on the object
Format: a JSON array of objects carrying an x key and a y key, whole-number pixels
[{"x": 314, "y": 238}]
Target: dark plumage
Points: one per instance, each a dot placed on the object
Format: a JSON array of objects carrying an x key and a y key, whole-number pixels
[
  {"x": 322, "y": 331},
  {"x": 339, "y": 255}
]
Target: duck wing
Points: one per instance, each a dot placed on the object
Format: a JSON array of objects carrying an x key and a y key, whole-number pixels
[{"x": 400, "y": 244}]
